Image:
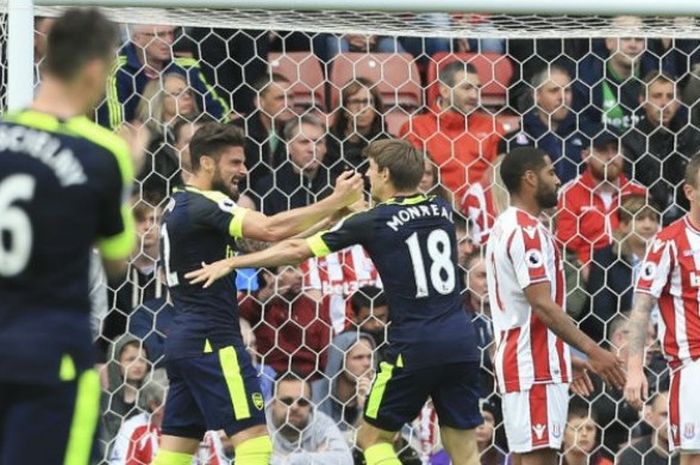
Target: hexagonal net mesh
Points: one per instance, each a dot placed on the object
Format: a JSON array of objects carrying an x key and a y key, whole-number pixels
[{"x": 311, "y": 90}]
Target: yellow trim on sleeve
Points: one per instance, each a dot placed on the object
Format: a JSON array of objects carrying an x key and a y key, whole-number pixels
[
  {"x": 85, "y": 416},
  {"x": 235, "y": 227},
  {"x": 121, "y": 244},
  {"x": 234, "y": 381},
  {"x": 317, "y": 245}
]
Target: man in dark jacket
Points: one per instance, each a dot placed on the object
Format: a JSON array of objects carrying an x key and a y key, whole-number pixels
[
  {"x": 308, "y": 173},
  {"x": 550, "y": 125},
  {"x": 147, "y": 57},
  {"x": 264, "y": 144},
  {"x": 661, "y": 144}
]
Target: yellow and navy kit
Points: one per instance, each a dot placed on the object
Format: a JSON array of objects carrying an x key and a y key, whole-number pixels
[{"x": 64, "y": 187}]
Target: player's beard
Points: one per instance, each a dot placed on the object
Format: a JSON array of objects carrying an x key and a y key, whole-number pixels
[
  {"x": 218, "y": 184},
  {"x": 546, "y": 197}
]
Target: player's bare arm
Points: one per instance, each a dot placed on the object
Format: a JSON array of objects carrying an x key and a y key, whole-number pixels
[
  {"x": 605, "y": 364},
  {"x": 289, "y": 252},
  {"x": 637, "y": 386},
  {"x": 348, "y": 190}
]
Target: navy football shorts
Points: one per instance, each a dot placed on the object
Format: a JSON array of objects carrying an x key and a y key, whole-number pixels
[
  {"x": 50, "y": 423},
  {"x": 212, "y": 391},
  {"x": 398, "y": 394}
]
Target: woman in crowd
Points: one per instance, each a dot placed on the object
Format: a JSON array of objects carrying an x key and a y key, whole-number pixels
[{"x": 358, "y": 122}]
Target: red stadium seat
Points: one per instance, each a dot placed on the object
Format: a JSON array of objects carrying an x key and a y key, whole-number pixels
[
  {"x": 494, "y": 69},
  {"x": 394, "y": 119},
  {"x": 305, "y": 73},
  {"x": 396, "y": 75}
]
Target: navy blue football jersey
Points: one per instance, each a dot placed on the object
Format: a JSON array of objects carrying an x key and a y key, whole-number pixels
[
  {"x": 412, "y": 242},
  {"x": 200, "y": 226},
  {"x": 64, "y": 185}
]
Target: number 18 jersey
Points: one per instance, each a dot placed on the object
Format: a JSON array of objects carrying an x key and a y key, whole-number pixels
[{"x": 412, "y": 242}]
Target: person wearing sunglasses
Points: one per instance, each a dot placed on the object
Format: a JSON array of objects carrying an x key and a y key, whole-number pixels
[{"x": 300, "y": 433}]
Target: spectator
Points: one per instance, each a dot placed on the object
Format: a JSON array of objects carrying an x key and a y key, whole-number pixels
[
  {"x": 137, "y": 440},
  {"x": 489, "y": 452},
  {"x": 608, "y": 84},
  {"x": 274, "y": 107},
  {"x": 160, "y": 109},
  {"x": 476, "y": 304},
  {"x": 359, "y": 121},
  {"x": 615, "y": 416},
  {"x": 430, "y": 182},
  {"x": 127, "y": 369},
  {"x": 549, "y": 123},
  {"x": 461, "y": 139},
  {"x": 652, "y": 449},
  {"x": 143, "y": 281},
  {"x": 302, "y": 435},
  {"x": 342, "y": 391},
  {"x": 336, "y": 277},
  {"x": 292, "y": 330},
  {"x": 661, "y": 144},
  {"x": 148, "y": 56},
  {"x": 581, "y": 437},
  {"x": 306, "y": 175},
  {"x": 139, "y": 437},
  {"x": 587, "y": 210},
  {"x": 615, "y": 267},
  {"x": 183, "y": 130},
  {"x": 370, "y": 313},
  {"x": 484, "y": 201}
]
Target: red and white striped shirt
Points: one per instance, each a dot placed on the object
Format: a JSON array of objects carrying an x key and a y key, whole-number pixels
[
  {"x": 671, "y": 273},
  {"x": 138, "y": 440},
  {"x": 521, "y": 252},
  {"x": 338, "y": 275},
  {"x": 478, "y": 207}
]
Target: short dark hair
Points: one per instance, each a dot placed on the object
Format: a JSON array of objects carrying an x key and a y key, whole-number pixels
[
  {"x": 292, "y": 377},
  {"x": 367, "y": 297},
  {"x": 212, "y": 138},
  {"x": 263, "y": 83},
  {"x": 652, "y": 77},
  {"x": 517, "y": 162},
  {"x": 405, "y": 163},
  {"x": 182, "y": 121},
  {"x": 79, "y": 36},
  {"x": 448, "y": 72}
]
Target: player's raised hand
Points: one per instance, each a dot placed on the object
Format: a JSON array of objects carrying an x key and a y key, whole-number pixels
[
  {"x": 608, "y": 366},
  {"x": 138, "y": 137},
  {"x": 636, "y": 388},
  {"x": 207, "y": 274},
  {"x": 348, "y": 187}
]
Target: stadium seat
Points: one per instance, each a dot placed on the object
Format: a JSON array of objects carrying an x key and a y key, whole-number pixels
[
  {"x": 305, "y": 73},
  {"x": 396, "y": 75},
  {"x": 394, "y": 119},
  {"x": 494, "y": 69}
]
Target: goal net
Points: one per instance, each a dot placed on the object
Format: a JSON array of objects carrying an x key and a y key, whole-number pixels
[{"x": 609, "y": 98}]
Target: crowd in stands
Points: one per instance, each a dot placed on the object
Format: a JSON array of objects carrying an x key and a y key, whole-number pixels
[{"x": 615, "y": 115}]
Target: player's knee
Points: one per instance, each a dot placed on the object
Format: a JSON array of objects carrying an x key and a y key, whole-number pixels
[
  {"x": 167, "y": 457},
  {"x": 255, "y": 451}
]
